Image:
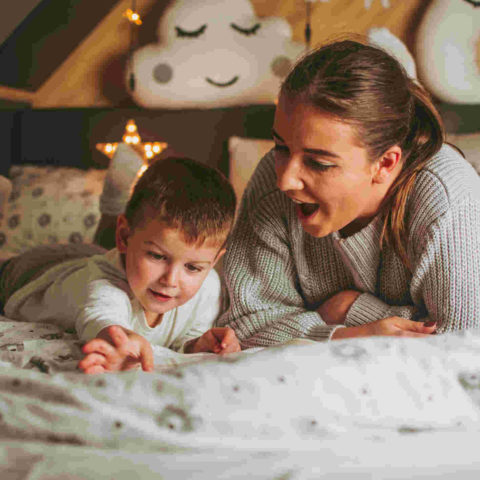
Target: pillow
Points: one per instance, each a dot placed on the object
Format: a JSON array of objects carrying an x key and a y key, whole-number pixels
[
  {"x": 213, "y": 53},
  {"x": 469, "y": 144},
  {"x": 50, "y": 205},
  {"x": 244, "y": 155}
]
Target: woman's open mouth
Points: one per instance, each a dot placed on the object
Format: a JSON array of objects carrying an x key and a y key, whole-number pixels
[{"x": 304, "y": 209}]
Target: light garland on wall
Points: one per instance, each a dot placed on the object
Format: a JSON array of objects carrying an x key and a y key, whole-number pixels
[
  {"x": 148, "y": 150},
  {"x": 133, "y": 17}
]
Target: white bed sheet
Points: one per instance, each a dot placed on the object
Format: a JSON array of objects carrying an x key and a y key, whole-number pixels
[{"x": 365, "y": 408}]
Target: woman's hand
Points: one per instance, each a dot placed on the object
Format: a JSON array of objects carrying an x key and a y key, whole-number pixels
[
  {"x": 219, "y": 340},
  {"x": 116, "y": 348},
  {"x": 334, "y": 310},
  {"x": 391, "y": 326}
]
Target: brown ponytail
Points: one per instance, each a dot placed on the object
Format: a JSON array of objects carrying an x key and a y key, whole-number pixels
[
  {"x": 366, "y": 87},
  {"x": 425, "y": 138}
]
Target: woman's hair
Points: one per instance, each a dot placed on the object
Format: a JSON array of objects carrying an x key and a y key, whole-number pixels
[
  {"x": 367, "y": 88},
  {"x": 187, "y": 195}
]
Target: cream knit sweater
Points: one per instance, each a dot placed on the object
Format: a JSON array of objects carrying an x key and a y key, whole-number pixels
[{"x": 277, "y": 275}]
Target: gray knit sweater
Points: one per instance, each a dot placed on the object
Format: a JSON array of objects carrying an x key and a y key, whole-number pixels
[{"x": 277, "y": 274}]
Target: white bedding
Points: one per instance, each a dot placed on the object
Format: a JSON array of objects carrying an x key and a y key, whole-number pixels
[{"x": 366, "y": 408}]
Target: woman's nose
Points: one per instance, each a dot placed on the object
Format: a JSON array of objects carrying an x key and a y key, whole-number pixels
[{"x": 288, "y": 175}]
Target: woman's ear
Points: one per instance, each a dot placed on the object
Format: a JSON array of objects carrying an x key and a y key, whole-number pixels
[
  {"x": 387, "y": 167},
  {"x": 122, "y": 233}
]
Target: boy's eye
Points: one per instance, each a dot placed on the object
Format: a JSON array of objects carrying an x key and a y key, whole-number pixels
[
  {"x": 192, "y": 33},
  {"x": 156, "y": 256},
  {"x": 193, "y": 268}
]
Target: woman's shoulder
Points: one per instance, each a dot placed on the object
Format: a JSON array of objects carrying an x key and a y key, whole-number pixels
[{"x": 447, "y": 179}]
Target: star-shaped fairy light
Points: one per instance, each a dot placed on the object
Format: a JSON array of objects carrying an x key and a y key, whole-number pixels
[{"x": 131, "y": 136}]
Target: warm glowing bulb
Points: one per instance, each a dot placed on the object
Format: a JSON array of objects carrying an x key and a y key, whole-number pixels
[
  {"x": 149, "y": 154},
  {"x": 135, "y": 139},
  {"x": 156, "y": 148},
  {"x": 135, "y": 16},
  {"x": 109, "y": 148},
  {"x": 147, "y": 146},
  {"x": 142, "y": 169}
]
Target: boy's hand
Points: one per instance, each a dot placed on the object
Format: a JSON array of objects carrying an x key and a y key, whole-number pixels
[
  {"x": 219, "y": 340},
  {"x": 114, "y": 349}
]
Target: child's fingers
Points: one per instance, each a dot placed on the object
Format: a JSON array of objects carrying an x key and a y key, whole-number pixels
[
  {"x": 118, "y": 335},
  {"x": 229, "y": 338},
  {"x": 232, "y": 347},
  {"x": 97, "y": 345},
  {"x": 90, "y": 360},
  {"x": 146, "y": 357},
  {"x": 94, "y": 370}
]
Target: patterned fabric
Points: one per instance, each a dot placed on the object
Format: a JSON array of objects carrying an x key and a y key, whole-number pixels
[
  {"x": 50, "y": 205},
  {"x": 277, "y": 275},
  {"x": 362, "y": 397}
]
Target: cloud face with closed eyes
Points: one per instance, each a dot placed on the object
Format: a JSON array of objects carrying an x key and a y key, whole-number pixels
[{"x": 213, "y": 53}]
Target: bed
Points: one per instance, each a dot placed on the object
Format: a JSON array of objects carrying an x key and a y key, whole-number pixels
[{"x": 364, "y": 408}]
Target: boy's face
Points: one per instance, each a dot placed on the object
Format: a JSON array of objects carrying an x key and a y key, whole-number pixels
[{"x": 163, "y": 270}]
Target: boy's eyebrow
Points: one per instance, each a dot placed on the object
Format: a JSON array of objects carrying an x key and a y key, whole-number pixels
[
  {"x": 314, "y": 151},
  {"x": 149, "y": 242}
]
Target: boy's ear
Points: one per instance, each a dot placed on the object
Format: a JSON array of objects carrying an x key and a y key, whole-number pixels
[
  {"x": 122, "y": 233},
  {"x": 387, "y": 165},
  {"x": 219, "y": 256}
]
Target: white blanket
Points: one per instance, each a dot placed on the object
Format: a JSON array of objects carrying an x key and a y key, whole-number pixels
[{"x": 366, "y": 408}]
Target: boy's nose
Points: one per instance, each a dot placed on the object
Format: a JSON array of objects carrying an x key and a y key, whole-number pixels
[
  {"x": 170, "y": 277},
  {"x": 288, "y": 176}
]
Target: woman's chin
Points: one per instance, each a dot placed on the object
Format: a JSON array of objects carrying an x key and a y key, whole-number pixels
[{"x": 317, "y": 231}]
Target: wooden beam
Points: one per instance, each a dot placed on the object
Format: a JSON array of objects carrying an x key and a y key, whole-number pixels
[
  {"x": 78, "y": 81},
  {"x": 16, "y": 95}
]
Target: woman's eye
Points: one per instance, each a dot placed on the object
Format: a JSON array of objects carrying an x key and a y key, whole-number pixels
[
  {"x": 246, "y": 31},
  {"x": 190, "y": 33},
  {"x": 156, "y": 256},
  {"x": 280, "y": 148},
  {"x": 193, "y": 268},
  {"x": 319, "y": 167}
]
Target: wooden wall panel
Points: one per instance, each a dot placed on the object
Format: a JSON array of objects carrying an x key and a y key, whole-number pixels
[{"x": 81, "y": 80}]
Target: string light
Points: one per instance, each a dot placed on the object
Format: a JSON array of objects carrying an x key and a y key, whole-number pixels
[
  {"x": 148, "y": 150},
  {"x": 132, "y": 16}
]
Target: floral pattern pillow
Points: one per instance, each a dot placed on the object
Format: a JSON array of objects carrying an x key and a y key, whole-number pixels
[{"x": 50, "y": 205}]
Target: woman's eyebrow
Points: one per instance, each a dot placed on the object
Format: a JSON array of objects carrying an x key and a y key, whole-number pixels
[
  {"x": 314, "y": 151},
  {"x": 321, "y": 152}
]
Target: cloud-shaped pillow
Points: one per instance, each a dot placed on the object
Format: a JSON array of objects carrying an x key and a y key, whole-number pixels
[
  {"x": 213, "y": 53},
  {"x": 446, "y": 50}
]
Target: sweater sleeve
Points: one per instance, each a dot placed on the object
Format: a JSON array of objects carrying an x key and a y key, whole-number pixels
[
  {"x": 266, "y": 306},
  {"x": 446, "y": 275}
]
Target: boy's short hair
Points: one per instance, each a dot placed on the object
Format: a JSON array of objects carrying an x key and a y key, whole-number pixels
[{"x": 187, "y": 195}]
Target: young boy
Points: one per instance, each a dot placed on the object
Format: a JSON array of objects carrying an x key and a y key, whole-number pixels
[{"x": 158, "y": 285}]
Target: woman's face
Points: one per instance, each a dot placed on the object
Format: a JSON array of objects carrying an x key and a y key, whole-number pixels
[{"x": 321, "y": 168}]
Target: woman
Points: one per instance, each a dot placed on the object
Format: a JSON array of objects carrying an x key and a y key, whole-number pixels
[{"x": 361, "y": 221}]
